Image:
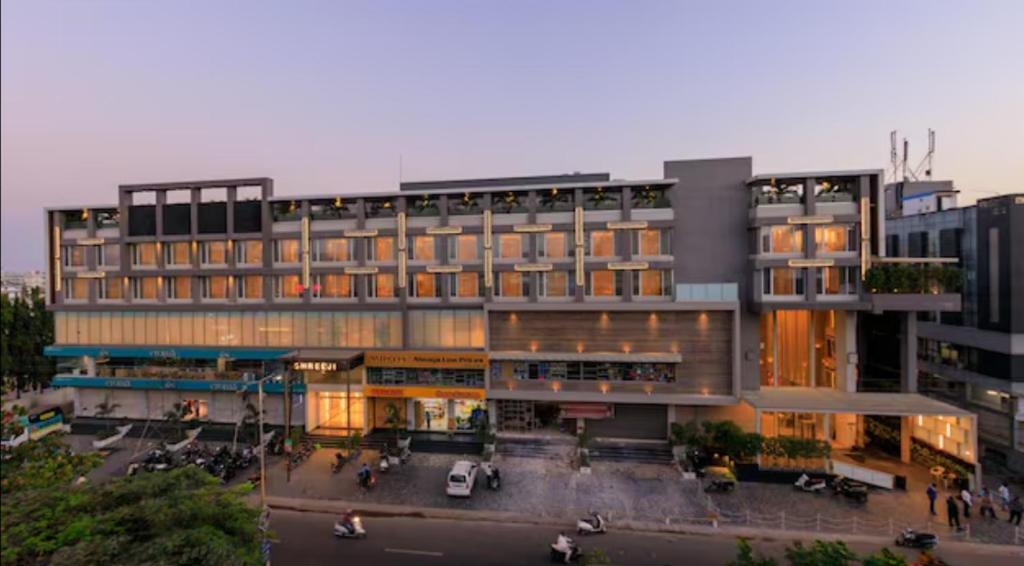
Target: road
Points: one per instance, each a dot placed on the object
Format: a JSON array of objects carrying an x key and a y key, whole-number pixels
[{"x": 305, "y": 538}]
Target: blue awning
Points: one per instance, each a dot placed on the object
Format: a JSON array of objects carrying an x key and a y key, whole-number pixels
[
  {"x": 142, "y": 383},
  {"x": 187, "y": 353}
]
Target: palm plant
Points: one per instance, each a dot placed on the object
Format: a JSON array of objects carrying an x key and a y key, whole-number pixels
[
  {"x": 393, "y": 419},
  {"x": 176, "y": 418},
  {"x": 104, "y": 410}
]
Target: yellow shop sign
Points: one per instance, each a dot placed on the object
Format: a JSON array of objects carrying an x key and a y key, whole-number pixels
[{"x": 430, "y": 360}]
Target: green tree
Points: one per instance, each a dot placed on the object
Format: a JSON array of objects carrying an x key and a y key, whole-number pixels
[
  {"x": 884, "y": 557},
  {"x": 175, "y": 418},
  {"x": 6, "y": 327},
  {"x": 596, "y": 557},
  {"x": 38, "y": 464},
  {"x": 393, "y": 419},
  {"x": 745, "y": 555},
  {"x": 820, "y": 553},
  {"x": 27, "y": 328}
]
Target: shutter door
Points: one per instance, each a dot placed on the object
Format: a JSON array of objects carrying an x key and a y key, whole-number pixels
[{"x": 633, "y": 421}]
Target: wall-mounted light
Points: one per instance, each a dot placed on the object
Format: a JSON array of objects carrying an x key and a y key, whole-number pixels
[
  {"x": 556, "y": 386},
  {"x": 603, "y": 320},
  {"x": 949, "y": 430},
  {"x": 626, "y": 348},
  {"x": 579, "y": 347},
  {"x": 920, "y": 420},
  {"x": 942, "y": 443},
  {"x": 533, "y": 346},
  {"x": 513, "y": 318},
  {"x": 704, "y": 391},
  {"x": 603, "y": 387},
  {"x": 648, "y": 389}
]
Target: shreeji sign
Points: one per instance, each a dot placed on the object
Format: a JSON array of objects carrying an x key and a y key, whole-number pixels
[{"x": 84, "y": 382}]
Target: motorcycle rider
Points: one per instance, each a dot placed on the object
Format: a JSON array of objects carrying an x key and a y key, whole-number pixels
[
  {"x": 364, "y": 475},
  {"x": 346, "y": 521},
  {"x": 565, "y": 545}
]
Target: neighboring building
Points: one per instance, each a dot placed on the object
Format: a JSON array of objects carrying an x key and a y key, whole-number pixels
[
  {"x": 554, "y": 301},
  {"x": 975, "y": 358},
  {"x": 14, "y": 283}
]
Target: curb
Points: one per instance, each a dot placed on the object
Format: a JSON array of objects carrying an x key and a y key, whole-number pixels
[{"x": 329, "y": 506}]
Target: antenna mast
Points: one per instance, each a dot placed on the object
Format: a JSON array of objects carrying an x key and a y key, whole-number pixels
[{"x": 894, "y": 157}]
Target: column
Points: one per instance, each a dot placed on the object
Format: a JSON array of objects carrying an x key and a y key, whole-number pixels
[
  {"x": 908, "y": 352},
  {"x": 905, "y": 438}
]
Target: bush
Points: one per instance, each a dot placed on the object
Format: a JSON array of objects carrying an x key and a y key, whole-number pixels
[{"x": 902, "y": 278}]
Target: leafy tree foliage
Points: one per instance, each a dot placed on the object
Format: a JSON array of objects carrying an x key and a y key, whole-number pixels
[
  {"x": 26, "y": 327},
  {"x": 819, "y": 553}
]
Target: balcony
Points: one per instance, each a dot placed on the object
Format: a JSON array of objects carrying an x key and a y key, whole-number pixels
[{"x": 907, "y": 287}]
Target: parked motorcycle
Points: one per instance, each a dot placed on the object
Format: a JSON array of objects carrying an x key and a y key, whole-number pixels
[
  {"x": 592, "y": 525},
  {"x": 807, "y": 483},
  {"x": 720, "y": 485},
  {"x": 911, "y": 539},
  {"x": 850, "y": 489}
]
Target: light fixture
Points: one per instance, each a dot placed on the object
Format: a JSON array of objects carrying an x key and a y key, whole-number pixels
[
  {"x": 942, "y": 443},
  {"x": 920, "y": 420},
  {"x": 949, "y": 430},
  {"x": 604, "y": 388}
]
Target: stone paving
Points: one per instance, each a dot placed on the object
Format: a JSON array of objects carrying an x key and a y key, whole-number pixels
[{"x": 540, "y": 487}]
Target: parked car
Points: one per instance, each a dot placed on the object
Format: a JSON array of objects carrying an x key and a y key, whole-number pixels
[{"x": 461, "y": 479}]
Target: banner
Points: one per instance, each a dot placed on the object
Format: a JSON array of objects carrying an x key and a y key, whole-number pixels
[
  {"x": 431, "y": 360},
  {"x": 423, "y": 392}
]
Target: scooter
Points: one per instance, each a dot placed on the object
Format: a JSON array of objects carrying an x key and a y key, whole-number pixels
[
  {"x": 353, "y": 530},
  {"x": 591, "y": 525},
  {"x": 806, "y": 483},
  {"x": 720, "y": 485},
  {"x": 911, "y": 539},
  {"x": 850, "y": 489},
  {"x": 368, "y": 481},
  {"x": 559, "y": 555}
]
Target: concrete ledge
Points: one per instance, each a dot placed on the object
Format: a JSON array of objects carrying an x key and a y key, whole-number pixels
[{"x": 912, "y": 302}]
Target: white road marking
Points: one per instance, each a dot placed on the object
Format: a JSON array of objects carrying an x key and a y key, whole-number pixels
[{"x": 410, "y": 551}]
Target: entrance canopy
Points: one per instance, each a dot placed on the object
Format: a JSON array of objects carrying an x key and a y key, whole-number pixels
[{"x": 822, "y": 400}]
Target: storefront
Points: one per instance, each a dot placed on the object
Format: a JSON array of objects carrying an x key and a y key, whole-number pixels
[
  {"x": 426, "y": 391},
  {"x": 334, "y": 385}
]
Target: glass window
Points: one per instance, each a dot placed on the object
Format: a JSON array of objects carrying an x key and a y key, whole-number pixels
[
  {"x": 213, "y": 253},
  {"x": 652, "y": 283},
  {"x": 333, "y": 286},
  {"x": 651, "y": 197},
  {"x": 512, "y": 284},
  {"x": 109, "y": 255},
  {"x": 511, "y": 246},
  {"x": 214, "y": 287},
  {"x": 76, "y": 289},
  {"x": 332, "y": 209},
  {"x": 601, "y": 243},
  {"x": 381, "y": 285},
  {"x": 467, "y": 285},
  {"x": 831, "y": 239},
  {"x": 249, "y": 287},
  {"x": 602, "y": 199},
  {"x": 144, "y": 288},
  {"x": 285, "y": 211},
  {"x": 421, "y": 248},
  {"x": 557, "y": 284},
  {"x": 380, "y": 208},
  {"x": 286, "y": 251},
  {"x": 555, "y": 200},
  {"x": 74, "y": 256},
  {"x": 422, "y": 205},
  {"x": 464, "y": 248},
  {"x": 652, "y": 242},
  {"x": 287, "y": 287},
  {"x": 381, "y": 248},
  {"x": 604, "y": 284},
  {"x": 782, "y": 239},
  {"x": 179, "y": 288},
  {"x": 783, "y": 281},
  {"x": 144, "y": 255},
  {"x": 249, "y": 252},
  {"x": 333, "y": 250},
  {"x": 837, "y": 280},
  {"x": 424, "y": 285},
  {"x": 112, "y": 288},
  {"x": 553, "y": 245},
  {"x": 509, "y": 202},
  {"x": 466, "y": 204},
  {"x": 177, "y": 253}
]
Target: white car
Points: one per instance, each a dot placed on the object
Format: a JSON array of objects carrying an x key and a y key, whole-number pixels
[{"x": 461, "y": 479}]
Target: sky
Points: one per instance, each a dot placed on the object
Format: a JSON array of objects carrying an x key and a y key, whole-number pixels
[{"x": 344, "y": 97}]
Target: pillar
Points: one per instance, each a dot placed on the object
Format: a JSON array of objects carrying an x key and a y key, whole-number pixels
[
  {"x": 906, "y": 425},
  {"x": 908, "y": 353}
]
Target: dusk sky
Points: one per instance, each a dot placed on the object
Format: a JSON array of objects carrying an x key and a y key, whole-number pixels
[{"x": 326, "y": 96}]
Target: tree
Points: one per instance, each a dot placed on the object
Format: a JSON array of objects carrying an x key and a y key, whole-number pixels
[
  {"x": 745, "y": 555},
  {"x": 176, "y": 419},
  {"x": 104, "y": 410},
  {"x": 820, "y": 553},
  {"x": 884, "y": 557},
  {"x": 27, "y": 328},
  {"x": 596, "y": 557}
]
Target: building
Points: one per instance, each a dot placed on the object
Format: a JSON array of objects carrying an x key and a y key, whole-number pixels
[
  {"x": 552, "y": 302},
  {"x": 15, "y": 283},
  {"x": 975, "y": 358}
]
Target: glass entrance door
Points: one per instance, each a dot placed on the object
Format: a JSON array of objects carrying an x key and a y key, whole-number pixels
[
  {"x": 339, "y": 410},
  {"x": 431, "y": 414}
]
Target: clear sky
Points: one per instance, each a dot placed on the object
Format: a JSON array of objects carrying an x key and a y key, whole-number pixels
[{"x": 326, "y": 96}]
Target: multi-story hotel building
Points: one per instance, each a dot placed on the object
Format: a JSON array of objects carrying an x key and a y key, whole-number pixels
[{"x": 553, "y": 301}]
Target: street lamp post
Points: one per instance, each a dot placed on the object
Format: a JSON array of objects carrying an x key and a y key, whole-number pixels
[{"x": 263, "y": 445}]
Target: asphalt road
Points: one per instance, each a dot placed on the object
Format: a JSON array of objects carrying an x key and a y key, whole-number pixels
[{"x": 305, "y": 538}]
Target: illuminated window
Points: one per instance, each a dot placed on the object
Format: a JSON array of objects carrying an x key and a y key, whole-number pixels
[
  {"x": 213, "y": 253},
  {"x": 512, "y": 284},
  {"x": 73, "y": 256},
  {"x": 601, "y": 243},
  {"x": 511, "y": 246},
  {"x": 249, "y": 287},
  {"x": 832, "y": 239},
  {"x": 111, "y": 289},
  {"x": 249, "y": 252},
  {"x": 837, "y": 280},
  {"x": 144, "y": 255},
  {"x": 333, "y": 286},
  {"x": 604, "y": 284},
  {"x": 553, "y": 245},
  {"x": 381, "y": 248},
  {"x": 464, "y": 248},
  {"x": 287, "y": 287},
  {"x": 286, "y": 251},
  {"x": 143, "y": 288},
  {"x": 555, "y": 284},
  {"x": 178, "y": 254},
  {"x": 652, "y": 283},
  {"x": 381, "y": 286},
  {"x": 652, "y": 242},
  {"x": 179, "y": 288},
  {"x": 214, "y": 287},
  {"x": 421, "y": 248},
  {"x": 782, "y": 239},
  {"x": 109, "y": 255},
  {"x": 333, "y": 250},
  {"x": 782, "y": 281},
  {"x": 424, "y": 286},
  {"x": 76, "y": 289},
  {"x": 466, "y": 285}
]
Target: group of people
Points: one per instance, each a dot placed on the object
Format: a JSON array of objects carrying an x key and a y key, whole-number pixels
[{"x": 986, "y": 501}]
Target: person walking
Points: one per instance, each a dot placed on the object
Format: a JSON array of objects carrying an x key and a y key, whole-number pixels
[
  {"x": 1016, "y": 508},
  {"x": 965, "y": 496},
  {"x": 933, "y": 494},
  {"x": 986, "y": 507},
  {"x": 952, "y": 512},
  {"x": 1004, "y": 496}
]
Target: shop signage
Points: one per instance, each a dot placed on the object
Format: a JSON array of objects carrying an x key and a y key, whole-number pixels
[
  {"x": 533, "y": 267},
  {"x": 451, "y": 360},
  {"x": 627, "y": 224},
  {"x": 531, "y": 228},
  {"x": 367, "y": 270},
  {"x": 444, "y": 230},
  {"x": 444, "y": 269},
  {"x": 423, "y": 392},
  {"x": 811, "y": 262},
  {"x": 315, "y": 366},
  {"x": 91, "y": 275},
  {"x": 819, "y": 219},
  {"x": 366, "y": 233},
  {"x": 628, "y": 265},
  {"x": 90, "y": 241}
]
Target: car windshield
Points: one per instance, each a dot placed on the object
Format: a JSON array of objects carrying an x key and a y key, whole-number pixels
[{"x": 457, "y": 478}]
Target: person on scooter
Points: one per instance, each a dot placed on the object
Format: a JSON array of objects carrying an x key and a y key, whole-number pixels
[
  {"x": 364, "y": 475},
  {"x": 565, "y": 545}
]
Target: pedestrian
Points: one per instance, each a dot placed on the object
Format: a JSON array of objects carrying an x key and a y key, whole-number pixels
[
  {"x": 986, "y": 504},
  {"x": 952, "y": 512},
  {"x": 965, "y": 496},
  {"x": 426, "y": 414},
  {"x": 1004, "y": 496},
  {"x": 1016, "y": 508},
  {"x": 932, "y": 495}
]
